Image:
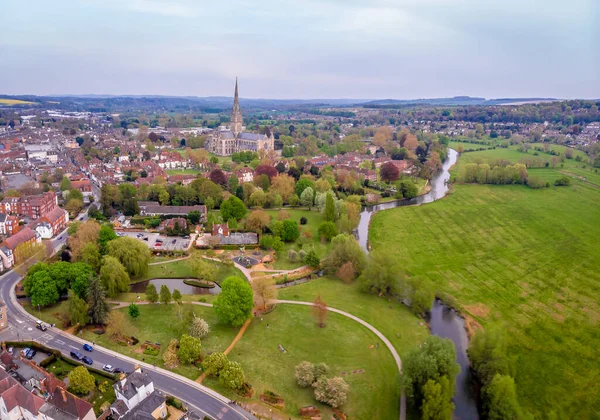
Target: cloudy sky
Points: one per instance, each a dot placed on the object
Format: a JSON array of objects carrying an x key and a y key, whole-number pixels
[{"x": 302, "y": 48}]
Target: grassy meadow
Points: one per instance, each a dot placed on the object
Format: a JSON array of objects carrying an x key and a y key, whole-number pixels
[{"x": 523, "y": 259}]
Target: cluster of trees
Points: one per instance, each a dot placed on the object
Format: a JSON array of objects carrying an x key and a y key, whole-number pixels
[
  {"x": 45, "y": 283},
  {"x": 499, "y": 175},
  {"x": 230, "y": 373},
  {"x": 494, "y": 370},
  {"x": 330, "y": 391},
  {"x": 244, "y": 157},
  {"x": 429, "y": 375}
]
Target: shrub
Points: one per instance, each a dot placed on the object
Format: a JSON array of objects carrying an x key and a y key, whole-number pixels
[
  {"x": 199, "y": 328},
  {"x": 232, "y": 375},
  {"x": 151, "y": 351},
  {"x": 302, "y": 254},
  {"x": 303, "y": 220},
  {"x": 332, "y": 391},
  {"x": 536, "y": 182},
  {"x": 214, "y": 363},
  {"x": 305, "y": 374},
  {"x": 563, "y": 181},
  {"x": 292, "y": 256}
]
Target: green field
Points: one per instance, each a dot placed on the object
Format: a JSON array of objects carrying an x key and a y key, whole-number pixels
[
  {"x": 523, "y": 259},
  {"x": 393, "y": 319},
  {"x": 343, "y": 344},
  {"x": 182, "y": 269},
  {"x": 182, "y": 171}
]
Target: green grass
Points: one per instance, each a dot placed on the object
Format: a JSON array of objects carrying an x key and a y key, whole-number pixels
[
  {"x": 182, "y": 269},
  {"x": 342, "y": 344},
  {"x": 182, "y": 171},
  {"x": 314, "y": 219},
  {"x": 50, "y": 315},
  {"x": 526, "y": 260},
  {"x": 468, "y": 146},
  {"x": 160, "y": 323},
  {"x": 392, "y": 318},
  {"x": 12, "y": 102},
  {"x": 61, "y": 369}
]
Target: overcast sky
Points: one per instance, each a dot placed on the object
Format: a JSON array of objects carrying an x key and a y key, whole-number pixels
[{"x": 302, "y": 48}]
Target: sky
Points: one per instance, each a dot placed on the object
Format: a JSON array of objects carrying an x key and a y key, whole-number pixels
[{"x": 305, "y": 49}]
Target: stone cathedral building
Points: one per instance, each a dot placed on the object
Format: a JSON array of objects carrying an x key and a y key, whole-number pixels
[{"x": 227, "y": 140}]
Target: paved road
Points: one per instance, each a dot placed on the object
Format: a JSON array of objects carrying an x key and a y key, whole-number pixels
[{"x": 22, "y": 327}]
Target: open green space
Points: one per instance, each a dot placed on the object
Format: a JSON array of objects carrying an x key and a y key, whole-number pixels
[
  {"x": 343, "y": 344},
  {"x": 182, "y": 171},
  {"x": 13, "y": 102},
  {"x": 102, "y": 395},
  {"x": 525, "y": 260},
  {"x": 182, "y": 269},
  {"x": 468, "y": 146},
  {"x": 313, "y": 219},
  {"x": 160, "y": 323},
  {"x": 392, "y": 318}
]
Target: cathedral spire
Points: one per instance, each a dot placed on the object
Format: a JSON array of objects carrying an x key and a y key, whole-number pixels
[{"x": 236, "y": 113}]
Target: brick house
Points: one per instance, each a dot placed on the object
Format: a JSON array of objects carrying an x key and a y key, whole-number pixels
[
  {"x": 8, "y": 247},
  {"x": 32, "y": 206},
  {"x": 52, "y": 223},
  {"x": 85, "y": 186}
]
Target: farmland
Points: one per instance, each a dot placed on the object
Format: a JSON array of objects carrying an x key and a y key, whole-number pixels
[{"x": 525, "y": 260}]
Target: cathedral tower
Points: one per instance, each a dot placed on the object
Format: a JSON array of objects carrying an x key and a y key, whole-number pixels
[{"x": 236, "y": 113}]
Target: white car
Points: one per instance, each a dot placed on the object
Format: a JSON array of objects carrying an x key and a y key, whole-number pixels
[{"x": 108, "y": 368}]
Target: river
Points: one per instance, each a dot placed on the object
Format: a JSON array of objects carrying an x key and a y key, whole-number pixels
[{"x": 444, "y": 321}]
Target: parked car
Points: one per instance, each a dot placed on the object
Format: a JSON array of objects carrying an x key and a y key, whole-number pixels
[
  {"x": 30, "y": 354},
  {"x": 10, "y": 350},
  {"x": 158, "y": 244},
  {"x": 87, "y": 347},
  {"x": 108, "y": 368},
  {"x": 25, "y": 351},
  {"x": 76, "y": 355},
  {"x": 60, "y": 238},
  {"x": 41, "y": 326},
  {"x": 146, "y": 238},
  {"x": 173, "y": 241},
  {"x": 119, "y": 370},
  {"x": 87, "y": 360}
]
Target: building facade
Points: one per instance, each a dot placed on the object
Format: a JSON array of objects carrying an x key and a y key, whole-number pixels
[{"x": 228, "y": 140}]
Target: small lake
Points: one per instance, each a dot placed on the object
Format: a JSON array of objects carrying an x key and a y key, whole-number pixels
[
  {"x": 444, "y": 322},
  {"x": 173, "y": 284}
]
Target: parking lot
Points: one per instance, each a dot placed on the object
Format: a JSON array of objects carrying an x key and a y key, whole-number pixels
[{"x": 157, "y": 242}]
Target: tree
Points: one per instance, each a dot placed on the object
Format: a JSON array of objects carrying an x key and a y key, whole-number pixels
[
  {"x": 328, "y": 230},
  {"x": 284, "y": 185},
  {"x": 164, "y": 198},
  {"x": 170, "y": 355},
  {"x": 189, "y": 349},
  {"x": 198, "y": 328},
  {"x": 90, "y": 254},
  {"x": 177, "y": 296},
  {"x": 28, "y": 253},
  {"x": 65, "y": 184},
  {"x": 303, "y": 184},
  {"x": 332, "y": 391},
  {"x": 329, "y": 213},
  {"x": 118, "y": 326},
  {"x": 435, "y": 358},
  {"x": 290, "y": 231},
  {"x": 214, "y": 363},
  {"x": 133, "y": 310},
  {"x": 78, "y": 310},
  {"x": 258, "y": 198},
  {"x": 312, "y": 259},
  {"x": 233, "y": 183},
  {"x": 320, "y": 311},
  {"x": 233, "y": 208},
  {"x": 345, "y": 248},
  {"x": 81, "y": 381},
  {"x": 74, "y": 206},
  {"x": 381, "y": 275},
  {"x": 114, "y": 278},
  {"x": 437, "y": 404},
  {"x": 75, "y": 194},
  {"x": 235, "y": 302},
  {"x": 218, "y": 177},
  {"x": 232, "y": 375},
  {"x": 268, "y": 170},
  {"x": 201, "y": 267},
  {"x": 80, "y": 275},
  {"x": 307, "y": 198},
  {"x": 264, "y": 289},
  {"x": 42, "y": 289},
  {"x": 98, "y": 307},
  {"x": 489, "y": 355},
  {"x": 87, "y": 232},
  {"x": 105, "y": 235},
  {"x": 500, "y": 399},
  {"x": 389, "y": 172},
  {"x": 258, "y": 220},
  {"x": 151, "y": 293},
  {"x": 406, "y": 188},
  {"x": 133, "y": 254},
  {"x": 307, "y": 373},
  {"x": 346, "y": 272},
  {"x": 165, "y": 294},
  {"x": 194, "y": 217}
]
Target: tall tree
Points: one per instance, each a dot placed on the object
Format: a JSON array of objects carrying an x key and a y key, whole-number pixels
[
  {"x": 105, "y": 235},
  {"x": 320, "y": 311},
  {"x": 500, "y": 399},
  {"x": 233, "y": 208},
  {"x": 98, "y": 307},
  {"x": 78, "y": 310},
  {"x": 151, "y": 293},
  {"x": 133, "y": 254},
  {"x": 189, "y": 349},
  {"x": 114, "y": 278},
  {"x": 165, "y": 294},
  {"x": 329, "y": 213},
  {"x": 235, "y": 302},
  {"x": 437, "y": 404},
  {"x": 264, "y": 289},
  {"x": 307, "y": 198}
]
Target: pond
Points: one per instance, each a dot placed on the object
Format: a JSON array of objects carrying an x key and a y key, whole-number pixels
[{"x": 173, "y": 284}]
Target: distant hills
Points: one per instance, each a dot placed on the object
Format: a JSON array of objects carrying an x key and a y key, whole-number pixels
[{"x": 456, "y": 100}]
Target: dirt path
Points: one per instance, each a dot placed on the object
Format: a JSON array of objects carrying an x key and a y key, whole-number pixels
[
  {"x": 170, "y": 261},
  {"x": 579, "y": 177}
]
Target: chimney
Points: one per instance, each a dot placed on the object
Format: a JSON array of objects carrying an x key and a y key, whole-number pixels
[{"x": 64, "y": 394}]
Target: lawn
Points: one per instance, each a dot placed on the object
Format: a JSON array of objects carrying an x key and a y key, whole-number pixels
[
  {"x": 61, "y": 369},
  {"x": 182, "y": 171},
  {"x": 314, "y": 218},
  {"x": 525, "y": 260},
  {"x": 182, "y": 269},
  {"x": 160, "y": 323},
  {"x": 392, "y": 318},
  {"x": 342, "y": 344}
]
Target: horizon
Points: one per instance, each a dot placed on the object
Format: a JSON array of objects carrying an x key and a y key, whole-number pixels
[{"x": 401, "y": 49}]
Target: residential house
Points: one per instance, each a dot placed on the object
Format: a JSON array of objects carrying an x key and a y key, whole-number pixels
[
  {"x": 220, "y": 229},
  {"x": 52, "y": 223},
  {"x": 245, "y": 174},
  {"x": 176, "y": 223},
  {"x": 154, "y": 210},
  {"x": 8, "y": 247},
  {"x": 137, "y": 398},
  {"x": 85, "y": 186}
]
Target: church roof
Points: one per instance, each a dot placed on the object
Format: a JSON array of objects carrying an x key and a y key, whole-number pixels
[{"x": 251, "y": 136}]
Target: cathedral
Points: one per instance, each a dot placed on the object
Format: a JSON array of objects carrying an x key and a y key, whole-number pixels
[{"x": 227, "y": 140}]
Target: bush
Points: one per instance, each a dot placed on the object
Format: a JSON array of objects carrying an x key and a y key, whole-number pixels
[
  {"x": 332, "y": 391},
  {"x": 563, "y": 181},
  {"x": 199, "y": 328},
  {"x": 174, "y": 402},
  {"x": 536, "y": 182},
  {"x": 303, "y": 220},
  {"x": 151, "y": 351},
  {"x": 292, "y": 256}
]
